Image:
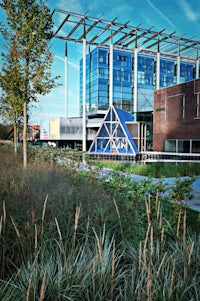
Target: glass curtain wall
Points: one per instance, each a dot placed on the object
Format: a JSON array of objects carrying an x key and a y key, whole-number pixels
[
  {"x": 122, "y": 80},
  {"x": 146, "y": 83},
  {"x": 97, "y": 79}
]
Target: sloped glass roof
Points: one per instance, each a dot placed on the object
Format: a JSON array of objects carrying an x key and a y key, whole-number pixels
[{"x": 113, "y": 135}]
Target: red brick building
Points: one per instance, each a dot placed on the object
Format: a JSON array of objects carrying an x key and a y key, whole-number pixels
[{"x": 176, "y": 120}]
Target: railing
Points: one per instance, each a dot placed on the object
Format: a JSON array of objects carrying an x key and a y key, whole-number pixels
[
  {"x": 147, "y": 157},
  {"x": 112, "y": 157},
  {"x": 167, "y": 157}
]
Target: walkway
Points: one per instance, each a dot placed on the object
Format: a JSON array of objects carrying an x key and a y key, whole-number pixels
[{"x": 194, "y": 203}]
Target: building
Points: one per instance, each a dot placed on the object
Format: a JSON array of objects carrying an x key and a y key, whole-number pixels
[
  {"x": 97, "y": 80},
  {"x": 124, "y": 83},
  {"x": 115, "y": 134},
  {"x": 68, "y": 132},
  {"x": 148, "y": 75},
  {"x": 119, "y": 134},
  {"x": 176, "y": 122},
  {"x": 123, "y": 65}
]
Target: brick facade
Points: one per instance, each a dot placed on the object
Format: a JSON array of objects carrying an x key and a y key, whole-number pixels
[{"x": 176, "y": 113}]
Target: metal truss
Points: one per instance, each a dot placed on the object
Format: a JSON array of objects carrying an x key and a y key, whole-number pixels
[{"x": 100, "y": 32}]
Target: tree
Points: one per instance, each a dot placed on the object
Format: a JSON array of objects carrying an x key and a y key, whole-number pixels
[
  {"x": 28, "y": 32},
  {"x": 11, "y": 105}
]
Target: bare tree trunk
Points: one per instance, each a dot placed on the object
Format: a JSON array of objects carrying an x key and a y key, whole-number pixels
[
  {"x": 25, "y": 137},
  {"x": 15, "y": 138}
]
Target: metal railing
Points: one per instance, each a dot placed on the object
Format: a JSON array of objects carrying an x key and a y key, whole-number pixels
[
  {"x": 167, "y": 157},
  {"x": 147, "y": 157}
]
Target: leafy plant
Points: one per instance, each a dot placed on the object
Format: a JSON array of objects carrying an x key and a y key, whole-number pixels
[{"x": 26, "y": 72}]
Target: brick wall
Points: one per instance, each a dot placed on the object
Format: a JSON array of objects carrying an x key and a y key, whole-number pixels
[{"x": 175, "y": 113}]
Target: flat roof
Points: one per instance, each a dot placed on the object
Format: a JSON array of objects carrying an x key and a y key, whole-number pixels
[{"x": 99, "y": 32}]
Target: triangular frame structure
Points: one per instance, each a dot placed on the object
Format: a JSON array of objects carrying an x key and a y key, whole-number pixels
[{"x": 113, "y": 135}]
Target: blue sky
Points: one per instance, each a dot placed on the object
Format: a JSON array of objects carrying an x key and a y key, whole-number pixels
[{"x": 182, "y": 16}]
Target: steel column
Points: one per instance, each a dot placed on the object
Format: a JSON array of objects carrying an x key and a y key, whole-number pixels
[
  {"x": 197, "y": 68},
  {"x": 66, "y": 81},
  {"x": 135, "y": 96},
  {"x": 178, "y": 70},
  {"x": 111, "y": 75},
  {"x": 158, "y": 72},
  {"x": 84, "y": 96}
]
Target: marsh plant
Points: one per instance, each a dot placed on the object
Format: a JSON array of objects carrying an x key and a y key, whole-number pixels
[
  {"x": 67, "y": 236},
  {"x": 92, "y": 266}
]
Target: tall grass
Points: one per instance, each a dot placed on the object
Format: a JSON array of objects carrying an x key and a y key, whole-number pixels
[
  {"x": 63, "y": 237},
  {"x": 94, "y": 267},
  {"x": 155, "y": 170}
]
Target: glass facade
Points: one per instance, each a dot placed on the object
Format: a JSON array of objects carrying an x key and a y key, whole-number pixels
[
  {"x": 186, "y": 72},
  {"x": 167, "y": 68},
  {"x": 97, "y": 79}
]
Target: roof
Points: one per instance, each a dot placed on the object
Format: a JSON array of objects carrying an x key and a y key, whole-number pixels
[
  {"x": 99, "y": 32},
  {"x": 126, "y": 117},
  {"x": 113, "y": 135}
]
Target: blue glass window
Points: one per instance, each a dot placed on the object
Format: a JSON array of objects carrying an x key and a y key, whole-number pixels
[
  {"x": 145, "y": 71},
  {"x": 186, "y": 72},
  {"x": 166, "y": 73}
]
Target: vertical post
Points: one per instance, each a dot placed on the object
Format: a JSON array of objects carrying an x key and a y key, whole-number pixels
[
  {"x": 66, "y": 81},
  {"x": 190, "y": 146},
  {"x": 111, "y": 74},
  {"x": 135, "y": 96},
  {"x": 158, "y": 71},
  {"x": 84, "y": 96},
  {"x": 145, "y": 137},
  {"x": 197, "y": 68},
  {"x": 177, "y": 146},
  {"x": 25, "y": 136},
  {"x": 178, "y": 75}
]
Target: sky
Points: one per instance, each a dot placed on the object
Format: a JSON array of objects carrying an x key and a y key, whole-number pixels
[{"x": 182, "y": 16}]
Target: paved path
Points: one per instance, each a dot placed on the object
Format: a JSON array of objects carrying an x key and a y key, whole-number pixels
[{"x": 194, "y": 203}]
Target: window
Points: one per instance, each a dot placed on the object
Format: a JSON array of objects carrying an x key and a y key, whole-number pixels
[{"x": 121, "y": 58}]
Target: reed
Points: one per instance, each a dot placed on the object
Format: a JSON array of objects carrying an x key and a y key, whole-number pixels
[
  {"x": 43, "y": 215},
  {"x": 119, "y": 218},
  {"x": 77, "y": 215},
  {"x": 60, "y": 250},
  {"x": 42, "y": 290}
]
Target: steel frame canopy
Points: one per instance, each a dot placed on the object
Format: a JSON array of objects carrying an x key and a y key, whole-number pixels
[{"x": 99, "y": 32}]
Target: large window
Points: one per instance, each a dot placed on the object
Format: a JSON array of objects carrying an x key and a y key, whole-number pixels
[
  {"x": 186, "y": 72},
  {"x": 145, "y": 72},
  {"x": 182, "y": 146},
  {"x": 166, "y": 73}
]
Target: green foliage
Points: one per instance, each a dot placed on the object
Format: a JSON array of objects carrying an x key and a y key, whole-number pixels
[
  {"x": 28, "y": 31},
  {"x": 154, "y": 170},
  {"x": 26, "y": 72}
]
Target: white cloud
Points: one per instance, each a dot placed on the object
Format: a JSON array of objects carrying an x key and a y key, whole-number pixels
[
  {"x": 162, "y": 15},
  {"x": 190, "y": 14},
  {"x": 74, "y": 65},
  {"x": 72, "y": 5}
]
